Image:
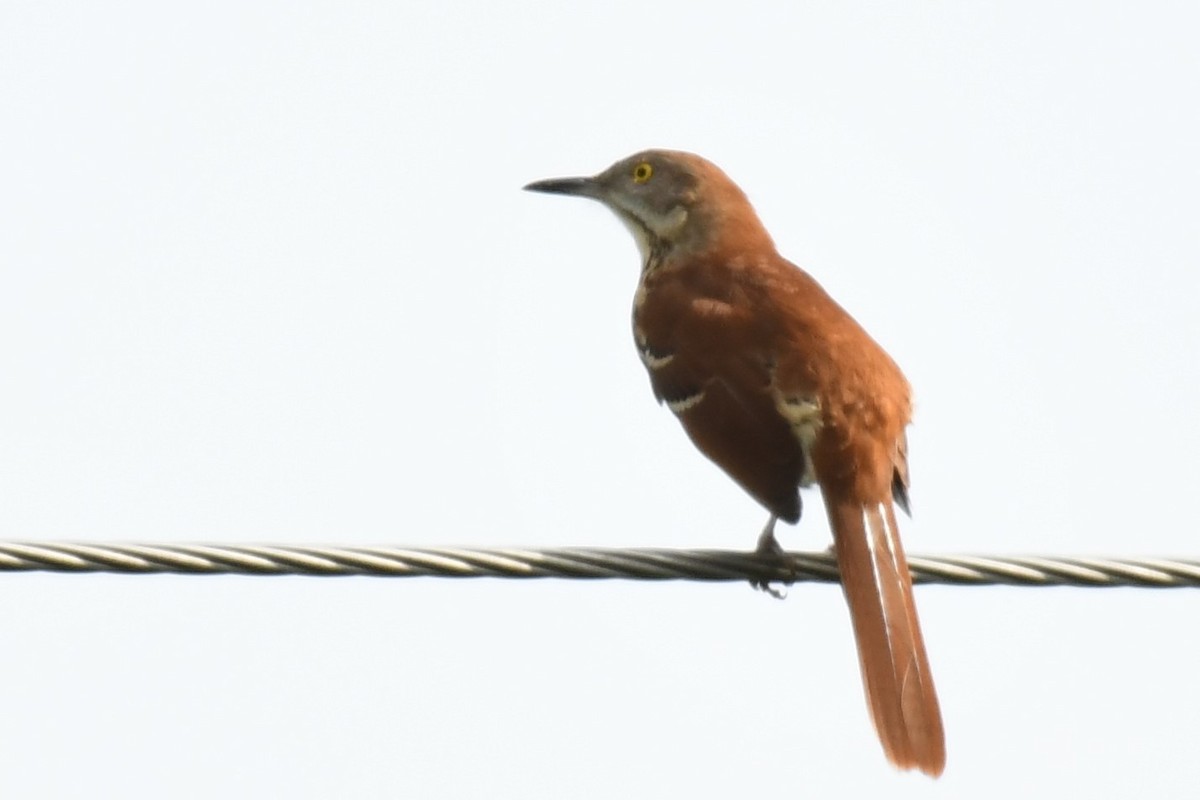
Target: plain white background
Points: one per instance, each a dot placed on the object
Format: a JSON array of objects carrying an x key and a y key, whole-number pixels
[{"x": 266, "y": 274}]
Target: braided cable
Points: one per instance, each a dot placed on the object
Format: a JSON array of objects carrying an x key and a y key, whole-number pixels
[{"x": 578, "y": 562}]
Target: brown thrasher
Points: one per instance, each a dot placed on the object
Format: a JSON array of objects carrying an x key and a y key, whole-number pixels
[{"x": 779, "y": 386}]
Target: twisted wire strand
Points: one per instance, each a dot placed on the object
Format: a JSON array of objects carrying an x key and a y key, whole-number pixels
[{"x": 578, "y": 562}]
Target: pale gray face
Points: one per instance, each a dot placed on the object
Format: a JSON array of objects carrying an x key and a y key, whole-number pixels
[{"x": 652, "y": 192}]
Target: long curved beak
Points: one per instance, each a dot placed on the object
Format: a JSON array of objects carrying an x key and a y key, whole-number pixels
[{"x": 580, "y": 187}]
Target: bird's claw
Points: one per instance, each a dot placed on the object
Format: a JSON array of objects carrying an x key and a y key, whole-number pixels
[
  {"x": 768, "y": 548},
  {"x": 765, "y": 586}
]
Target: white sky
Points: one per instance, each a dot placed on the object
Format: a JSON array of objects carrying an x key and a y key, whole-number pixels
[{"x": 266, "y": 274}]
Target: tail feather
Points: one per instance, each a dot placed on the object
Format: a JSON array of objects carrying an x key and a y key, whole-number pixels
[{"x": 891, "y": 651}]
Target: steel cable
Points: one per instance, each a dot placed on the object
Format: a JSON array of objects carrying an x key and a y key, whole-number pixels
[{"x": 577, "y": 562}]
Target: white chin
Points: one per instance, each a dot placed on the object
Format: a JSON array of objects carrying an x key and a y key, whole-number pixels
[{"x": 639, "y": 237}]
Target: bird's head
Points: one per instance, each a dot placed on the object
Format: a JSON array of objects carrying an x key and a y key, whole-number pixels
[{"x": 672, "y": 202}]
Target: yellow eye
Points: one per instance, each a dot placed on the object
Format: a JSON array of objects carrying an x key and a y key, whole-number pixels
[{"x": 642, "y": 172}]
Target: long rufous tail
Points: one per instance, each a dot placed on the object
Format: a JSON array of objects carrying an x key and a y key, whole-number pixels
[{"x": 891, "y": 651}]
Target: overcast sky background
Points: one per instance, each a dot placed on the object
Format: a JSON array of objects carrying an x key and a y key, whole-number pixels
[{"x": 267, "y": 274}]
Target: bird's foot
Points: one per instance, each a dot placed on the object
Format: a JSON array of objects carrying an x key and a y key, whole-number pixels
[{"x": 768, "y": 548}]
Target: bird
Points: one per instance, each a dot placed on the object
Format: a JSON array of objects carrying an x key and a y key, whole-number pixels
[{"x": 779, "y": 386}]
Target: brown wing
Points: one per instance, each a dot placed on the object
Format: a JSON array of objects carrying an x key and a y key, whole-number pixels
[{"x": 709, "y": 349}]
